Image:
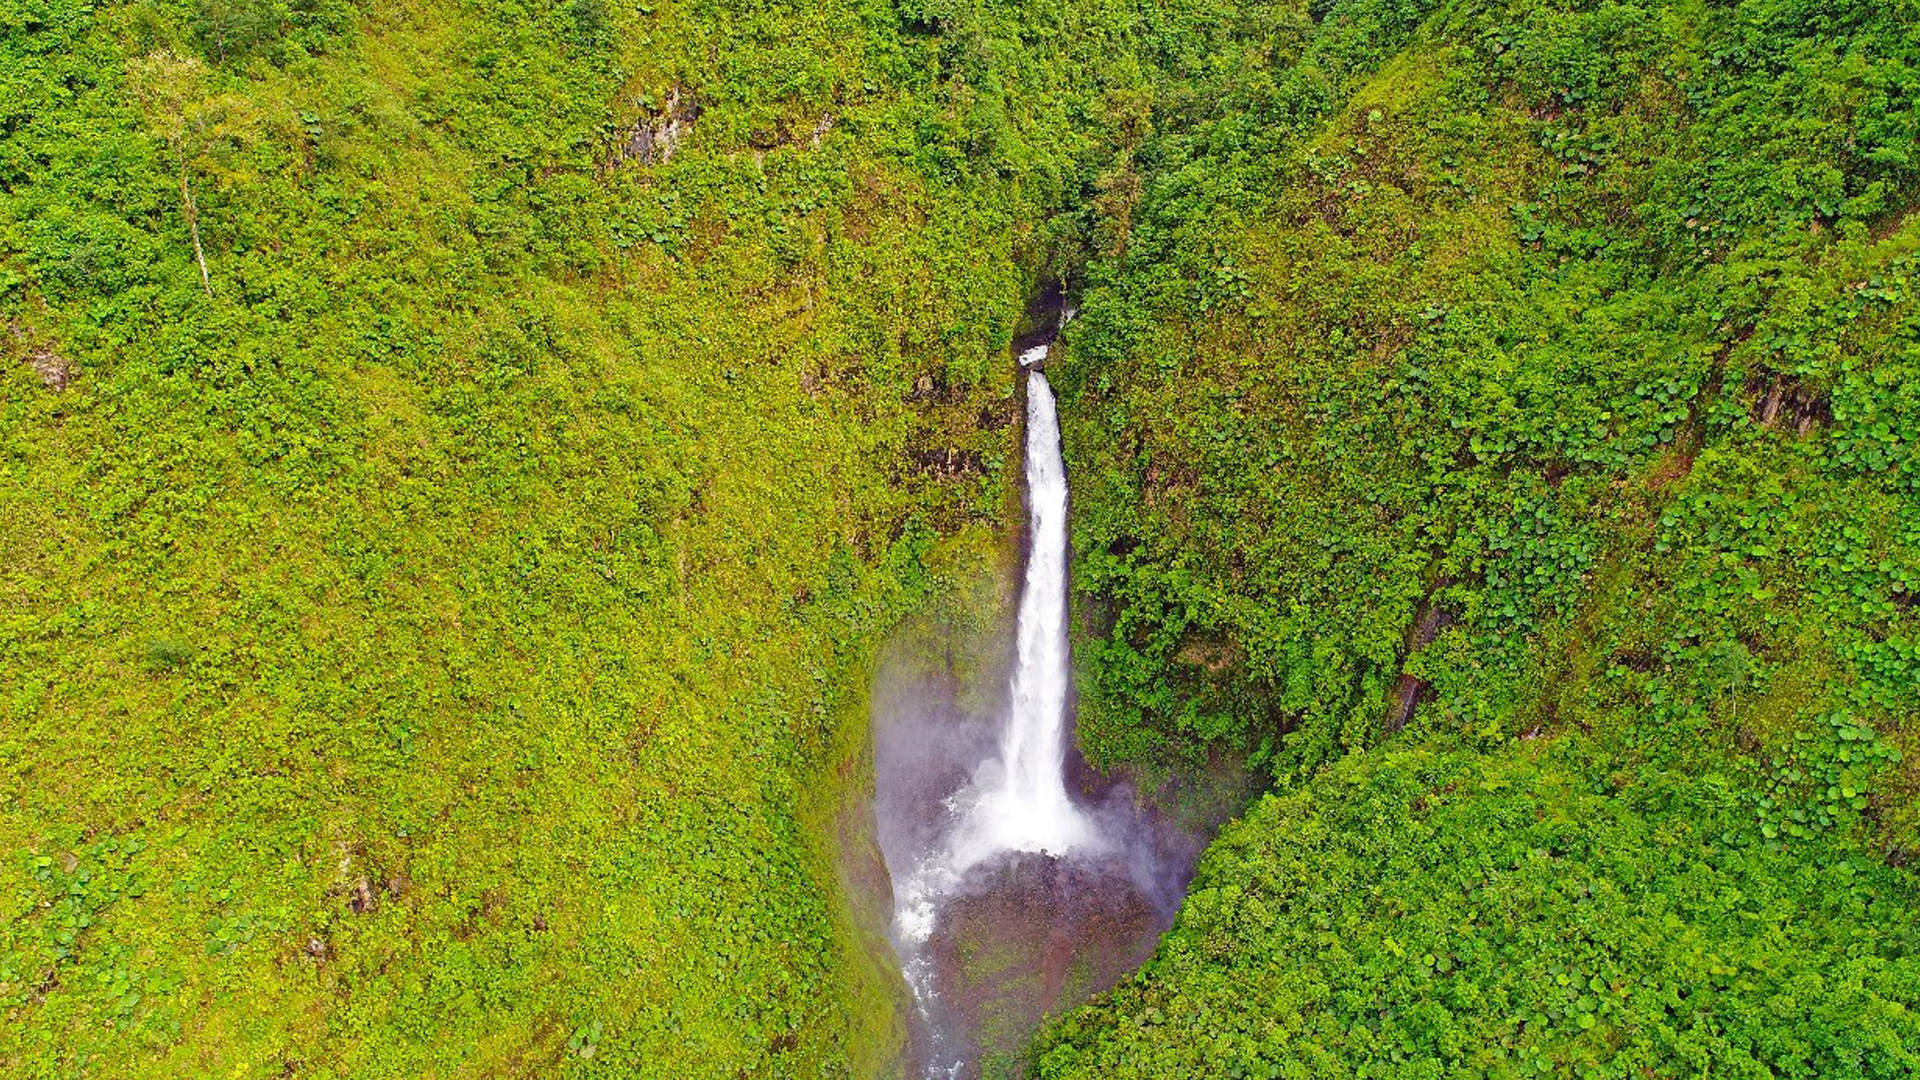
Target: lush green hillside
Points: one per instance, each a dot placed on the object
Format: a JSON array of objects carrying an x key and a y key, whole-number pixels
[
  {"x": 1509, "y": 446},
  {"x": 459, "y": 458},
  {"x": 434, "y": 640},
  {"x": 1429, "y": 914}
]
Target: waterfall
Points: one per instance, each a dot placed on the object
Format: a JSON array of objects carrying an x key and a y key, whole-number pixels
[
  {"x": 1017, "y": 802},
  {"x": 1029, "y": 809}
]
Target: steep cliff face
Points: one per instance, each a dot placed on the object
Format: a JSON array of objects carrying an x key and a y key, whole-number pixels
[{"x": 1423, "y": 372}]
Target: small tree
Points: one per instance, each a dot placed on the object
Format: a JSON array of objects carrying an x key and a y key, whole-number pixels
[
  {"x": 236, "y": 29},
  {"x": 194, "y": 122}
]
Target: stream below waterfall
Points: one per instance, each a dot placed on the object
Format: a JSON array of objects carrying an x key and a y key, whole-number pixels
[{"x": 1015, "y": 895}]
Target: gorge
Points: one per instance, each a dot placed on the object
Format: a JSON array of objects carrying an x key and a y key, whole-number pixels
[{"x": 527, "y": 546}]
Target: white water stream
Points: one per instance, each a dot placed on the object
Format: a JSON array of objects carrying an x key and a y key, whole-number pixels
[{"x": 1017, "y": 802}]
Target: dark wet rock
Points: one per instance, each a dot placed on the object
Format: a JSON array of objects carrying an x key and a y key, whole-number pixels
[
  {"x": 1029, "y": 936},
  {"x": 947, "y": 463},
  {"x": 1404, "y": 700},
  {"x": 1040, "y": 322},
  {"x": 1786, "y": 401},
  {"x": 1429, "y": 621},
  {"x": 996, "y": 416},
  {"x": 937, "y": 389},
  {"x": 653, "y": 138}
]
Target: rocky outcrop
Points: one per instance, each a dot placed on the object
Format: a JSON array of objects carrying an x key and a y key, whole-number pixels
[
  {"x": 1428, "y": 621},
  {"x": 653, "y": 138}
]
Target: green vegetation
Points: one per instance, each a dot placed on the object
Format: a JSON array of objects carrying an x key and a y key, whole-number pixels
[
  {"x": 1506, "y": 444},
  {"x": 1453, "y": 914},
  {"x": 457, "y": 461},
  {"x": 1523, "y": 342}
]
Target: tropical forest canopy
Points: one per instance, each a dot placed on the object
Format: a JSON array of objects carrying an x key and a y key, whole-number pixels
[{"x": 460, "y": 459}]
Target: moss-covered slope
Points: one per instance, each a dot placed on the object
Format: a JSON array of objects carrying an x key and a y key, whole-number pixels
[
  {"x": 432, "y": 642},
  {"x": 1537, "y": 394}
]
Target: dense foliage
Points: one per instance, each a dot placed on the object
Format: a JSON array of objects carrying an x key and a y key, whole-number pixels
[
  {"x": 456, "y": 459},
  {"x": 1428, "y": 914},
  {"x": 1523, "y": 337},
  {"x": 1540, "y": 397}
]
